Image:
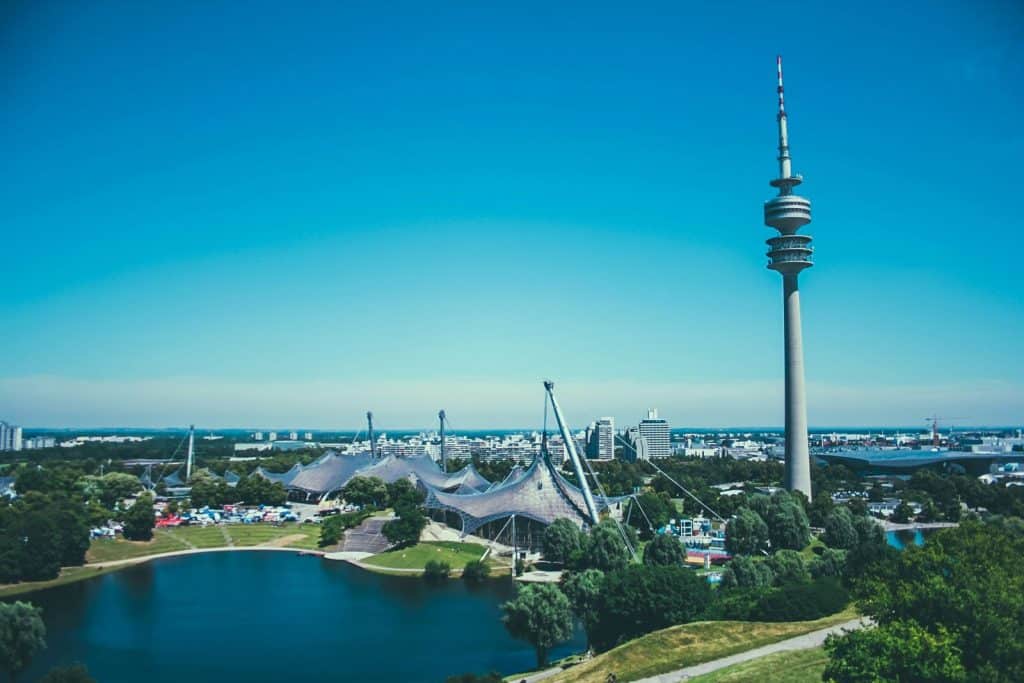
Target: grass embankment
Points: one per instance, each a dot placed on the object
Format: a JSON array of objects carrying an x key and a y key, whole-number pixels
[
  {"x": 301, "y": 536},
  {"x": 681, "y": 646},
  {"x": 416, "y": 557},
  {"x": 796, "y": 666}
]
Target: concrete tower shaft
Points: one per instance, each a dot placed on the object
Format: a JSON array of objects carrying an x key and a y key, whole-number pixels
[{"x": 788, "y": 254}]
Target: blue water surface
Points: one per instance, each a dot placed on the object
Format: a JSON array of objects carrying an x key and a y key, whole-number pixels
[{"x": 272, "y": 617}]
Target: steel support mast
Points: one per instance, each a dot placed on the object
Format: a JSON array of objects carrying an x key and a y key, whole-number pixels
[
  {"x": 441, "y": 417},
  {"x": 191, "y": 453},
  {"x": 373, "y": 439},
  {"x": 570, "y": 446}
]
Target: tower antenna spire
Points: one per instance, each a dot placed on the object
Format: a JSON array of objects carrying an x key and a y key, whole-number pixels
[{"x": 785, "y": 164}]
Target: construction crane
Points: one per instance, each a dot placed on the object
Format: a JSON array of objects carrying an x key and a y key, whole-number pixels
[{"x": 934, "y": 422}]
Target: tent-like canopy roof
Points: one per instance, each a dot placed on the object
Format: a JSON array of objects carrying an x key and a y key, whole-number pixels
[{"x": 540, "y": 494}]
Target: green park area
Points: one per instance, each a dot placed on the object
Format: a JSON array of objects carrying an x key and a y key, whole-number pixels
[
  {"x": 300, "y": 536},
  {"x": 681, "y": 646},
  {"x": 452, "y": 553},
  {"x": 795, "y": 666}
]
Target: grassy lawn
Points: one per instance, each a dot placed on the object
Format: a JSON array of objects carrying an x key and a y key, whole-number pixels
[
  {"x": 681, "y": 646},
  {"x": 107, "y": 550},
  {"x": 808, "y": 552},
  {"x": 798, "y": 666},
  {"x": 416, "y": 557},
  {"x": 200, "y": 537},
  {"x": 67, "y": 575}
]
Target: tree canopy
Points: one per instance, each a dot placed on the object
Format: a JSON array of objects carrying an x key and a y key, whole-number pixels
[
  {"x": 541, "y": 615},
  {"x": 959, "y": 597},
  {"x": 22, "y": 634},
  {"x": 642, "y": 598},
  {"x": 562, "y": 541},
  {"x": 746, "y": 533},
  {"x": 665, "y": 550},
  {"x": 604, "y": 548},
  {"x": 140, "y": 519}
]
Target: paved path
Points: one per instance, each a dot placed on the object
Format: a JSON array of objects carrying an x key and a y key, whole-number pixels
[
  {"x": 804, "y": 642},
  {"x": 367, "y": 537},
  {"x": 910, "y": 526}
]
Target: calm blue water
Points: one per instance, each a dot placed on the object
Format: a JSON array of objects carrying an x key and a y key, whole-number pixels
[
  {"x": 269, "y": 616},
  {"x": 901, "y": 539}
]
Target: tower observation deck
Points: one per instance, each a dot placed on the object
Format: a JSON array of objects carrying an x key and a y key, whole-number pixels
[{"x": 788, "y": 254}]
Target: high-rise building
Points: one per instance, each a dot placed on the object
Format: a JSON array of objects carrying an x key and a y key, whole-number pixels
[
  {"x": 790, "y": 253},
  {"x": 600, "y": 439},
  {"x": 272, "y": 436},
  {"x": 10, "y": 437},
  {"x": 656, "y": 435},
  {"x": 634, "y": 447}
]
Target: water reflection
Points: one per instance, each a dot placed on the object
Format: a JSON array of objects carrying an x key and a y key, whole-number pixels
[{"x": 266, "y": 616}]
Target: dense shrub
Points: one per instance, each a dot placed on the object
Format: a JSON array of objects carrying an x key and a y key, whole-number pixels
[
  {"x": 475, "y": 570},
  {"x": 665, "y": 550},
  {"x": 435, "y": 570},
  {"x": 831, "y": 562},
  {"x": 788, "y": 567},
  {"x": 745, "y": 572},
  {"x": 642, "y": 598},
  {"x": 802, "y": 601}
]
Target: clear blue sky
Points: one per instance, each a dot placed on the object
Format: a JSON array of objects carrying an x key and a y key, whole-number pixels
[{"x": 247, "y": 214}]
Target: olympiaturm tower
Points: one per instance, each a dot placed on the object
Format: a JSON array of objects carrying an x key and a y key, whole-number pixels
[{"x": 789, "y": 253}]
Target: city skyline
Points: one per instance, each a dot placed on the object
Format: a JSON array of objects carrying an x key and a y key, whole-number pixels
[{"x": 401, "y": 219}]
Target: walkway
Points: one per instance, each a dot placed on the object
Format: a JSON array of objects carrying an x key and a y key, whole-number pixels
[
  {"x": 367, "y": 537},
  {"x": 804, "y": 642}
]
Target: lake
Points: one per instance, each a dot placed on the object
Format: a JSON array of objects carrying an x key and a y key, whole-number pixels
[{"x": 275, "y": 616}]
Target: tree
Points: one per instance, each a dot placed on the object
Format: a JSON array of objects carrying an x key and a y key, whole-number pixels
[
  {"x": 788, "y": 567},
  {"x": 365, "y": 491},
  {"x": 68, "y": 674},
  {"x": 436, "y": 570},
  {"x": 583, "y": 589},
  {"x": 208, "y": 492},
  {"x": 871, "y": 549},
  {"x": 788, "y": 526},
  {"x": 403, "y": 492},
  {"x": 604, "y": 548},
  {"x": 640, "y": 599},
  {"x": 139, "y": 520},
  {"x": 903, "y": 513},
  {"x": 831, "y": 562},
  {"x": 258, "y": 490},
  {"x": 41, "y": 551},
  {"x": 116, "y": 486},
  {"x": 407, "y": 527},
  {"x": 665, "y": 550},
  {"x": 904, "y": 651},
  {"x": 820, "y": 508},
  {"x": 541, "y": 615},
  {"x": 965, "y": 583},
  {"x": 648, "y": 510},
  {"x": 746, "y": 533},
  {"x": 72, "y": 529},
  {"x": 22, "y": 634},
  {"x": 476, "y": 571},
  {"x": 746, "y": 572},
  {"x": 839, "y": 531},
  {"x": 562, "y": 540}
]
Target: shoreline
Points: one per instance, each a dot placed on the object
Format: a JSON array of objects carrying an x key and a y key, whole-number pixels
[{"x": 90, "y": 570}]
